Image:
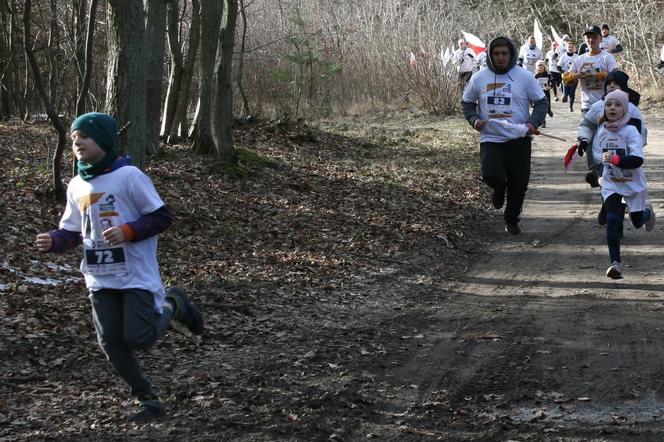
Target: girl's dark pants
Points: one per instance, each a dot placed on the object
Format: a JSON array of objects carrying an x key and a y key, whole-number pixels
[
  {"x": 126, "y": 321},
  {"x": 506, "y": 167},
  {"x": 615, "y": 210}
]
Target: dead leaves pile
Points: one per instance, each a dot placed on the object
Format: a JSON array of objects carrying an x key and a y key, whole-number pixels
[{"x": 295, "y": 266}]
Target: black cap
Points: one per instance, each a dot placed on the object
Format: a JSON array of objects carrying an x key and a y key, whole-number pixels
[
  {"x": 593, "y": 30},
  {"x": 605, "y": 26}
]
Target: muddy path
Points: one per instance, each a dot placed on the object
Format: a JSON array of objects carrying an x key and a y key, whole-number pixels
[{"x": 534, "y": 342}]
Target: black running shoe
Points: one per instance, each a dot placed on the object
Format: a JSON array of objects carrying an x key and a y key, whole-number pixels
[
  {"x": 185, "y": 312},
  {"x": 512, "y": 228},
  {"x": 150, "y": 408}
]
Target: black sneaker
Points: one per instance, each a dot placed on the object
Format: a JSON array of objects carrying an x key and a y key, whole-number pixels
[
  {"x": 185, "y": 312},
  {"x": 498, "y": 199},
  {"x": 550, "y": 113},
  {"x": 150, "y": 408},
  {"x": 564, "y": 98},
  {"x": 556, "y": 99},
  {"x": 512, "y": 228},
  {"x": 601, "y": 216},
  {"x": 543, "y": 124},
  {"x": 592, "y": 179}
]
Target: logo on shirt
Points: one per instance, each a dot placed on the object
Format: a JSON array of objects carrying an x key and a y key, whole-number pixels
[{"x": 108, "y": 204}]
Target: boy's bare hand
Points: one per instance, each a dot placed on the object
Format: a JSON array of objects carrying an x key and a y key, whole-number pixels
[
  {"x": 43, "y": 242},
  {"x": 479, "y": 124},
  {"x": 113, "y": 236}
]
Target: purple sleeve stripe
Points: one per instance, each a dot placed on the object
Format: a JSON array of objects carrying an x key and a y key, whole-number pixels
[
  {"x": 151, "y": 224},
  {"x": 64, "y": 240}
]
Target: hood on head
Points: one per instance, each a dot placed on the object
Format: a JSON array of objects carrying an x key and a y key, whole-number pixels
[
  {"x": 512, "y": 48},
  {"x": 621, "y": 79}
]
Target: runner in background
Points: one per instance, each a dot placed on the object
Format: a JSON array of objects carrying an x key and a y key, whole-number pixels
[
  {"x": 481, "y": 61},
  {"x": 529, "y": 54},
  {"x": 564, "y": 63},
  {"x": 609, "y": 43},
  {"x": 556, "y": 78},
  {"x": 464, "y": 59},
  {"x": 590, "y": 69},
  {"x": 544, "y": 80}
]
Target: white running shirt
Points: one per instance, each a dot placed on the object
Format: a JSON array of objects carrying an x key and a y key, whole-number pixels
[{"x": 109, "y": 200}]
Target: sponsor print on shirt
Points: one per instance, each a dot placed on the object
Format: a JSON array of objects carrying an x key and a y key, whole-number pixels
[
  {"x": 499, "y": 100},
  {"x": 616, "y": 174},
  {"x": 100, "y": 214},
  {"x": 589, "y": 78}
]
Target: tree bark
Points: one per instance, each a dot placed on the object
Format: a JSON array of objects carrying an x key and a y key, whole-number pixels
[
  {"x": 58, "y": 188},
  {"x": 155, "y": 30},
  {"x": 180, "y": 125},
  {"x": 211, "y": 11},
  {"x": 223, "y": 108},
  {"x": 125, "y": 96},
  {"x": 88, "y": 57},
  {"x": 240, "y": 86},
  {"x": 175, "y": 76}
]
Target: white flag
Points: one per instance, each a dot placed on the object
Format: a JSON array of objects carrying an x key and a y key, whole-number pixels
[
  {"x": 556, "y": 37},
  {"x": 537, "y": 32}
]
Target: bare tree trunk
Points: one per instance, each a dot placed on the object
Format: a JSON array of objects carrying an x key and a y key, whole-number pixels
[
  {"x": 15, "y": 68},
  {"x": 81, "y": 100},
  {"x": 58, "y": 188},
  {"x": 175, "y": 76},
  {"x": 155, "y": 30},
  {"x": 180, "y": 125},
  {"x": 79, "y": 50},
  {"x": 211, "y": 11},
  {"x": 52, "y": 57},
  {"x": 240, "y": 86},
  {"x": 223, "y": 108},
  {"x": 125, "y": 96}
]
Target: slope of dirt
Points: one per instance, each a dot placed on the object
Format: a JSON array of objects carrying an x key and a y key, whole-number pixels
[{"x": 353, "y": 290}]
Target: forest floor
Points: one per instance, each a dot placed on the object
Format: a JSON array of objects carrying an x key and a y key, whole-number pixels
[{"x": 355, "y": 285}]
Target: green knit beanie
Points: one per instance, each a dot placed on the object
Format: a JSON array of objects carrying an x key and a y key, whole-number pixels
[
  {"x": 100, "y": 127},
  {"x": 103, "y": 129}
]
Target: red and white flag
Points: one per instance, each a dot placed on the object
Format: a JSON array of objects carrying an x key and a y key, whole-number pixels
[
  {"x": 473, "y": 42},
  {"x": 569, "y": 157}
]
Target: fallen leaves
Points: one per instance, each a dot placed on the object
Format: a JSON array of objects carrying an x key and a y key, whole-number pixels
[{"x": 289, "y": 265}]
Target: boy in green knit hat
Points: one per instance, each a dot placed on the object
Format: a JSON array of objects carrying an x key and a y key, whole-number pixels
[{"x": 114, "y": 210}]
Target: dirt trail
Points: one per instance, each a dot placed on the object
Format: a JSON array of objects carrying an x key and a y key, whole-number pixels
[{"x": 534, "y": 341}]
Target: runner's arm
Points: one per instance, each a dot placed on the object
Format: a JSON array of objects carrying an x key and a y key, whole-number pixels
[
  {"x": 626, "y": 161},
  {"x": 540, "y": 108},
  {"x": 64, "y": 240},
  {"x": 586, "y": 130},
  {"x": 148, "y": 225}
]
